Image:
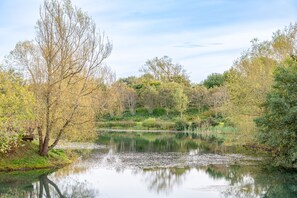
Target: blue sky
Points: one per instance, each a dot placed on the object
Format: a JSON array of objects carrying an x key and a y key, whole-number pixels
[{"x": 205, "y": 36}]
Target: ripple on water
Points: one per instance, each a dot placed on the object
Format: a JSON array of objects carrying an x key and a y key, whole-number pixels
[{"x": 122, "y": 160}]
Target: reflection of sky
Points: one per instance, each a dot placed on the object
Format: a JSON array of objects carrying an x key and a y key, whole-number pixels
[
  {"x": 203, "y": 35},
  {"x": 114, "y": 174},
  {"x": 110, "y": 174},
  {"x": 127, "y": 183}
]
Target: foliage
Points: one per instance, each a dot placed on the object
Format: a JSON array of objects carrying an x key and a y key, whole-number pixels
[
  {"x": 198, "y": 97},
  {"x": 164, "y": 70},
  {"x": 153, "y": 123},
  {"x": 149, "y": 97},
  {"x": 150, "y": 123},
  {"x": 171, "y": 97},
  {"x": 64, "y": 68},
  {"x": 181, "y": 125},
  {"x": 117, "y": 124},
  {"x": 16, "y": 110},
  {"x": 250, "y": 78},
  {"x": 159, "y": 112},
  {"x": 214, "y": 80},
  {"x": 278, "y": 124}
]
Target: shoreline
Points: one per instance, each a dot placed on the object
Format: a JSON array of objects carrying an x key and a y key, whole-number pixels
[{"x": 26, "y": 158}]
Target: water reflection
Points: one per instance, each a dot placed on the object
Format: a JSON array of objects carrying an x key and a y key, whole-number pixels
[
  {"x": 124, "y": 171},
  {"x": 163, "y": 180},
  {"x": 159, "y": 143},
  {"x": 35, "y": 184}
]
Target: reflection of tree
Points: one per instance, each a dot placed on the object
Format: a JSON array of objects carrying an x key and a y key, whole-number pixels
[
  {"x": 77, "y": 189},
  {"x": 72, "y": 169},
  {"x": 252, "y": 181},
  {"x": 48, "y": 187},
  {"x": 279, "y": 184},
  {"x": 164, "y": 180}
]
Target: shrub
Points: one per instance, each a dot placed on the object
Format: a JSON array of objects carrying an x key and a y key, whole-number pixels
[
  {"x": 192, "y": 111},
  {"x": 167, "y": 125},
  {"x": 8, "y": 142},
  {"x": 151, "y": 123},
  {"x": 159, "y": 112},
  {"x": 142, "y": 112},
  {"x": 181, "y": 125},
  {"x": 124, "y": 124}
]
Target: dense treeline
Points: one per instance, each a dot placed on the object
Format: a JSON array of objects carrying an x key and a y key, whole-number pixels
[
  {"x": 63, "y": 86},
  {"x": 234, "y": 98},
  {"x": 167, "y": 88}
]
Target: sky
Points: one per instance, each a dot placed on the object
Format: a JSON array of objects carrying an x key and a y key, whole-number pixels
[{"x": 204, "y": 36}]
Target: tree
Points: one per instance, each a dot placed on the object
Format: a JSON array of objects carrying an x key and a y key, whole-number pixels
[
  {"x": 217, "y": 96},
  {"x": 127, "y": 96},
  {"x": 171, "y": 97},
  {"x": 278, "y": 124},
  {"x": 250, "y": 78},
  {"x": 214, "y": 80},
  {"x": 62, "y": 64},
  {"x": 163, "y": 69},
  {"x": 148, "y": 98},
  {"x": 198, "y": 97},
  {"x": 16, "y": 109}
]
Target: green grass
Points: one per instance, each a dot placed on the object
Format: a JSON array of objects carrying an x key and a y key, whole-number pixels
[{"x": 27, "y": 158}]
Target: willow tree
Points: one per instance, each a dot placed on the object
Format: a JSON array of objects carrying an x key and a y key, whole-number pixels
[
  {"x": 62, "y": 64},
  {"x": 163, "y": 69}
]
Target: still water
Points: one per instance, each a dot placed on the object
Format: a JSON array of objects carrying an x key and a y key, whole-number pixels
[{"x": 163, "y": 169}]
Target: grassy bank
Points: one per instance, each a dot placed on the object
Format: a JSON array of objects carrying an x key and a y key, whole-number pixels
[{"x": 27, "y": 158}]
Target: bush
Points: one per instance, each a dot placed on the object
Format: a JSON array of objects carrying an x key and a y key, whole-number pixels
[
  {"x": 207, "y": 114},
  {"x": 159, "y": 112},
  {"x": 192, "y": 111},
  {"x": 157, "y": 124},
  {"x": 181, "y": 125},
  {"x": 151, "y": 123},
  {"x": 124, "y": 124},
  {"x": 9, "y": 142},
  {"x": 167, "y": 125},
  {"x": 196, "y": 125},
  {"x": 142, "y": 112}
]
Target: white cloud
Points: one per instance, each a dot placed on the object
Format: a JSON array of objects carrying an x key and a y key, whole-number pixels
[
  {"x": 138, "y": 39},
  {"x": 131, "y": 51}
]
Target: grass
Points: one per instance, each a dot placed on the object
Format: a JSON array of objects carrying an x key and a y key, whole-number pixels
[{"x": 27, "y": 158}]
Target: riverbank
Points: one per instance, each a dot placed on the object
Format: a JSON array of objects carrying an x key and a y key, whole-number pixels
[{"x": 27, "y": 158}]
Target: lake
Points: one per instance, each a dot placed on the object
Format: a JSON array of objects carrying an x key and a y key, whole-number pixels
[{"x": 149, "y": 166}]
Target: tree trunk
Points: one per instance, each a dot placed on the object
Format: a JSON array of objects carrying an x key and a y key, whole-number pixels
[
  {"x": 39, "y": 130},
  {"x": 44, "y": 148}
]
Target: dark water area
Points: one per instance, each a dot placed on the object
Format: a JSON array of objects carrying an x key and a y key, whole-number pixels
[{"x": 153, "y": 167}]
